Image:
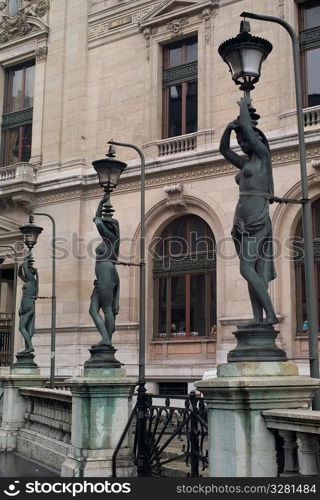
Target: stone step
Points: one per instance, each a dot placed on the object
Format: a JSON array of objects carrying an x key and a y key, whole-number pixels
[{"x": 178, "y": 467}]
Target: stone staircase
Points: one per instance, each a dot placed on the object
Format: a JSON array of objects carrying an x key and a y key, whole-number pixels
[{"x": 177, "y": 468}]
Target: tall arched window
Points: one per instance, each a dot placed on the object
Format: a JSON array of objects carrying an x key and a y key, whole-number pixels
[
  {"x": 185, "y": 280},
  {"x": 299, "y": 267}
]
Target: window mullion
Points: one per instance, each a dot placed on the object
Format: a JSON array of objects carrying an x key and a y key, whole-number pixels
[
  {"x": 187, "y": 312},
  {"x": 184, "y": 108},
  {"x": 207, "y": 301},
  {"x": 23, "y": 87},
  {"x": 168, "y": 313}
]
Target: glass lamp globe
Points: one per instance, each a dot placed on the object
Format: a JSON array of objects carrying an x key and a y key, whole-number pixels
[
  {"x": 109, "y": 170},
  {"x": 30, "y": 233},
  {"x": 244, "y": 55}
]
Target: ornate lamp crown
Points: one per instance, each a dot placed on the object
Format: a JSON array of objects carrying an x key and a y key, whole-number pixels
[{"x": 244, "y": 55}]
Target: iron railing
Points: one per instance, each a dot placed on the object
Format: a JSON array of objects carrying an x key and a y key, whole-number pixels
[
  {"x": 158, "y": 428},
  {"x": 5, "y": 334}
]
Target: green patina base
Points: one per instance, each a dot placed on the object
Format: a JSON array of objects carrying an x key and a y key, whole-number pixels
[
  {"x": 25, "y": 364},
  {"x": 256, "y": 343},
  {"x": 102, "y": 357}
]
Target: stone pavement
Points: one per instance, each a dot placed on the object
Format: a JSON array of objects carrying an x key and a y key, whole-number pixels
[{"x": 13, "y": 465}]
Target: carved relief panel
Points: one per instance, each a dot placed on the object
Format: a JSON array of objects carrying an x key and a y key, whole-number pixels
[{"x": 21, "y": 17}]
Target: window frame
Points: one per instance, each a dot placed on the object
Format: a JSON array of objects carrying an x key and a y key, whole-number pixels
[
  {"x": 299, "y": 268},
  {"x": 201, "y": 265},
  {"x": 306, "y": 44},
  {"x": 181, "y": 74},
  {"x": 17, "y": 119}
]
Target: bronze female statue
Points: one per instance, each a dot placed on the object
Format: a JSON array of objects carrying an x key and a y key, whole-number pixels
[
  {"x": 105, "y": 293},
  {"x": 252, "y": 230},
  {"x": 29, "y": 275}
]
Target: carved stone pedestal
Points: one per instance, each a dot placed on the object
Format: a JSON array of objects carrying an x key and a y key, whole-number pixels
[
  {"x": 240, "y": 444},
  {"x": 256, "y": 343},
  {"x": 14, "y": 405},
  {"x": 25, "y": 363},
  {"x": 101, "y": 405},
  {"x": 102, "y": 357}
]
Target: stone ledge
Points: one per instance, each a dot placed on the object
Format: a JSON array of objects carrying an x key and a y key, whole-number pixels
[{"x": 300, "y": 420}]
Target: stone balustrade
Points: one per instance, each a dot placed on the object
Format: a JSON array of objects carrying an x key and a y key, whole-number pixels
[
  {"x": 46, "y": 433},
  {"x": 177, "y": 144},
  {"x": 311, "y": 116},
  {"x": 300, "y": 431},
  {"x": 7, "y": 174}
]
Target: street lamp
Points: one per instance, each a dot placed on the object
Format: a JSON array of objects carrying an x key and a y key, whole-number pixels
[
  {"x": 141, "y": 400},
  {"x": 30, "y": 233},
  {"x": 53, "y": 296},
  {"x": 236, "y": 54},
  {"x": 244, "y": 55},
  {"x": 105, "y": 295},
  {"x": 109, "y": 170}
]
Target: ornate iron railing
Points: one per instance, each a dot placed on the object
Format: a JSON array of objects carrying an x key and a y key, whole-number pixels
[
  {"x": 5, "y": 334},
  {"x": 156, "y": 427}
]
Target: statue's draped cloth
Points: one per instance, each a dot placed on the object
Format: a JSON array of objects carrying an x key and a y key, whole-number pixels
[{"x": 257, "y": 226}]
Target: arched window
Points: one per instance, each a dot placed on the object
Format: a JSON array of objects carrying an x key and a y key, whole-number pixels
[
  {"x": 185, "y": 280},
  {"x": 299, "y": 268}
]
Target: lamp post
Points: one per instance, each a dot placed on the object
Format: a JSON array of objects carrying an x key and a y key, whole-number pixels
[
  {"x": 105, "y": 295},
  {"x": 53, "y": 298},
  {"x": 13, "y": 326},
  {"x": 142, "y": 279},
  {"x": 244, "y": 60},
  {"x": 141, "y": 400},
  {"x": 311, "y": 298},
  {"x": 29, "y": 275}
]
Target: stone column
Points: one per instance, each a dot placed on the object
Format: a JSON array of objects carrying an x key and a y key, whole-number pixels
[
  {"x": 291, "y": 464},
  {"x": 14, "y": 405},
  {"x": 240, "y": 445},
  {"x": 101, "y": 406},
  {"x": 308, "y": 448}
]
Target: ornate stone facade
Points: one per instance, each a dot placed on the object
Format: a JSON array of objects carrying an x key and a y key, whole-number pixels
[{"x": 99, "y": 75}]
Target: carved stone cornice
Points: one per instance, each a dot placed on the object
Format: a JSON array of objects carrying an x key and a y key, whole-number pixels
[
  {"x": 168, "y": 11},
  {"x": 174, "y": 17},
  {"x": 175, "y": 176},
  {"x": 18, "y": 18}
]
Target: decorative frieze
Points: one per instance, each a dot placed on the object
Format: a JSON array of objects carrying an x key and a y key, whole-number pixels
[{"x": 108, "y": 26}]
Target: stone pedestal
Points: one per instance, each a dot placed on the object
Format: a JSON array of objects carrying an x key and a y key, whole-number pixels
[
  {"x": 256, "y": 343},
  {"x": 240, "y": 445},
  {"x": 101, "y": 406},
  {"x": 14, "y": 405}
]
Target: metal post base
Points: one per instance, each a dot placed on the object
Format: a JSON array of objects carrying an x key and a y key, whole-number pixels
[
  {"x": 256, "y": 343},
  {"x": 102, "y": 357}
]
